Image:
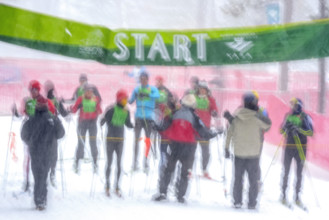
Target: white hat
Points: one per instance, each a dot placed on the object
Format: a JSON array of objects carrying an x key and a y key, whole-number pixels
[
  {"x": 189, "y": 101},
  {"x": 203, "y": 84}
]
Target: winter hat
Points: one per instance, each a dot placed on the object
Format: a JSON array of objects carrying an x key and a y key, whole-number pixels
[
  {"x": 34, "y": 84},
  {"x": 194, "y": 79},
  {"x": 159, "y": 78},
  {"x": 83, "y": 77},
  {"x": 48, "y": 85},
  {"x": 250, "y": 101},
  {"x": 203, "y": 84},
  {"x": 144, "y": 73},
  {"x": 189, "y": 101},
  {"x": 88, "y": 86},
  {"x": 121, "y": 94},
  {"x": 297, "y": 105},
  {"x": 255, "y": 94}
]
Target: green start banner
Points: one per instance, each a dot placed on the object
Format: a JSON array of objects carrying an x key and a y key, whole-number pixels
[{"x": 164, "y": 47}]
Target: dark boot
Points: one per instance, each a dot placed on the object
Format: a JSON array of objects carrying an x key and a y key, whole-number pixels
[
  {"x": 181, "y": 200},
  {"x": 159, "y": 197},
  {"x": 76, "y": 166}
]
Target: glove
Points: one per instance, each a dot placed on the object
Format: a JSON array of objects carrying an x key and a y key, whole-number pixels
[
  {"x": 227, "y": 153},
  {"x": 220, "y": 130},
  {"x": 61, "y": 100},
  {"x": 14, "y": 110},
  {"x": 143, "y": 95},
  {"x": 154, "y": 126},
  {"x": 69, "y": 110},
  {"x": 290, "y": 127},
  {"x": 227, "y": 115},
  {"x": 214, "y": 114}
]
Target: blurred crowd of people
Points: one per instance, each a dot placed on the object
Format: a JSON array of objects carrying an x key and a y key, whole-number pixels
[{"x": 180, "y": 125}]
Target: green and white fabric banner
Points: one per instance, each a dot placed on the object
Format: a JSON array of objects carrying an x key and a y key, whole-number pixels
[{"x": 164, "y": 47}]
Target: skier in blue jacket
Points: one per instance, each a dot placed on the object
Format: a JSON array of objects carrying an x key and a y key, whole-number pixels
[{"x": 145, "y": 97}]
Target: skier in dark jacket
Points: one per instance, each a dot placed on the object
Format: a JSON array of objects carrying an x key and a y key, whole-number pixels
[
  {"x": 182, "y": 132},
  {"x": 116, "y": 117},
  {"x": 296, "y": 126},
  {"x": 40, "y": 132},
  {"x": 28, "y": 110}
]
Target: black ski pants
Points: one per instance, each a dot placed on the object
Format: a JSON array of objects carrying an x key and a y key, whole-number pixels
[
  {"x": 83, "y": 127},
  {"x": 289, "y": 154},
  {"x": 184, "y": 153},
  {"x": 204, "y": 144},
  {"x": 164, "y": 144},
  {"x": 251, "y": 166},
  {"x": 40, "y": 168},
  {"x": 111, "y": 147},
  {"x": 53, "y": 159}
]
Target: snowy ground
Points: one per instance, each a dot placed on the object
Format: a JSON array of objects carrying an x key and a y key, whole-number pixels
[{"x": 205, "y": 199}]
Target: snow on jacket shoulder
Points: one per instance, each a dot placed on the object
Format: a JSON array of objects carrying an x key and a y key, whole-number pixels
[{"x": 245, "y": 133}]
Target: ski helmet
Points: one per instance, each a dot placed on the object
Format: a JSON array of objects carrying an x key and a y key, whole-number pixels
[{"x": 34, "y": 84}]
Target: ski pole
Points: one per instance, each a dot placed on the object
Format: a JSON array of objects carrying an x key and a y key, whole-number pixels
[
  {"x": 63, "y": 181},
  {"x": 224, "y": 166},
  {"x": 224, "y": 178},
  {"x": 5, "y": 176},
  {"x": 303, "y": 158},
  {"x": 62, "y": 169},
  {"x": 197, "y": 180},
  {"x": 274, "y": 157},
  {"x": 92, "y": 187}
]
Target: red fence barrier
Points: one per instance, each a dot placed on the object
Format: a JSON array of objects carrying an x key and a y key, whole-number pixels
[{"x": 227, "y": 87}]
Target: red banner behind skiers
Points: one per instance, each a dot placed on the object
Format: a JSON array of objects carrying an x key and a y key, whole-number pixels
[{"x": 227, "y": 86}]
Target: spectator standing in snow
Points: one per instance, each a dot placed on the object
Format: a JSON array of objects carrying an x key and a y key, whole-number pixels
[
  {"x": 40, "y": 132},
  {"x": 29, "y": 104},
  {"x": 261, "y": 110},
  {"x": 296, "y": 127},
  {"x": 145, "y": 97},
  {"x": 246, "y": 137},
  {"x": 115, "y": 118}
]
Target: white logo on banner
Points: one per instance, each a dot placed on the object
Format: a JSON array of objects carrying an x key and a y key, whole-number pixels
[{"x": 241, "y": 48}]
